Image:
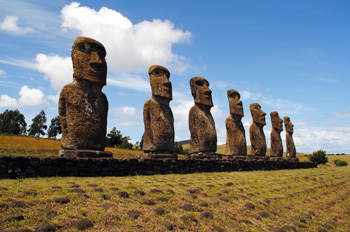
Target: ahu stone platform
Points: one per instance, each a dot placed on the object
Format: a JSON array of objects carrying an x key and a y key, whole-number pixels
[{"x": 24, "y": 167}]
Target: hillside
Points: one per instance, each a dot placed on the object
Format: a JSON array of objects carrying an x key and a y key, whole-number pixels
[{"x": 43, "y": 147}]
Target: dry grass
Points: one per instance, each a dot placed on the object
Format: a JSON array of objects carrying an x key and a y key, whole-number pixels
[
  {"x": 42, "y": 147},
  {"x": 307, "y": 200}
]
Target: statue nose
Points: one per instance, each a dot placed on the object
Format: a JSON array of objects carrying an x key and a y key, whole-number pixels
[
  {"x": 95, "y": 58},
  {"x": 206, "y": 89}
]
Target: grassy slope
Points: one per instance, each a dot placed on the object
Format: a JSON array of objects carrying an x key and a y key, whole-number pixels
[
  {"x": 306, "y": 199},
  {"x": 41, "y": 147},
  {"x": 317, "y": 197}
]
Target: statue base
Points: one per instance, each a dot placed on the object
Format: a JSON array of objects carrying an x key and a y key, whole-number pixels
[
  {"x": 203, "y": 156},
  {"x": 85, "y": 154},
  {"x": 234, "y": 157},
  {"x": 155, "y": 156},
  {"x": 293, "y": 159},
  {"x": 256, "y": 157},
  {"x": 276, "y": 158}
]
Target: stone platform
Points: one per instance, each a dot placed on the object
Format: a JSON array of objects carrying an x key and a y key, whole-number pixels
[
  {"x": 155, "y": 156},
  {"x": 85, "y": 154},
  {"x": 23, "y": 167}
]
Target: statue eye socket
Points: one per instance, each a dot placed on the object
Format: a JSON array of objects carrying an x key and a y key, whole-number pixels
[
  {"x": 82, "y": 47},
  {"x": 233, "y": 95},
  {"x": 157, "y": 72},
  {"x": 199, "y": 83}
]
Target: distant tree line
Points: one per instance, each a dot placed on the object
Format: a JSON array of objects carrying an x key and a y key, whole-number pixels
[{"x": 338, "y": 154}]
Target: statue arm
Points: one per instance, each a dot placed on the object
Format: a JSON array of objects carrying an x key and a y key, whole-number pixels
[
  {"x": 147, "y": 120},
  {"x": 193, "y": 125},
  {"x": 62, "y": 111}
]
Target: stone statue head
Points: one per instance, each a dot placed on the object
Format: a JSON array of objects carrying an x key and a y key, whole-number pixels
[
  {"x": 200, "y": 91},
  {"x": 236, "y": 106},
  {"x": 89, "y": 63},
  {"x": 160, "y": 84},
  {"x": 276, "y": 121},
  {"x": 288, "y": 124},
  {"x": 257, "y": 114}
]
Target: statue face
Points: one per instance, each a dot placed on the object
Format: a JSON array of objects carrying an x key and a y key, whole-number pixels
[
  {"x": 288, "y": 125},
  {"x": 276, "y": 121},
  {"x": 257, "y": 114},
  {"x": 89, "y": 63},
  {"x": 236, "y": 106},
  {"x": 160, "y": 84},
  {"x": 200, "y": 91}
]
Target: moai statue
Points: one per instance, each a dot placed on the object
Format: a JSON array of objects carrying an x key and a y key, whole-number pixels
[
  {"x": 276, "y": 141},
  {"x": 83, "y": 107},
  {"x": 291, "y": 151},
  {"x": 158, "y": 138},
  {"x": 257, "y": 136},
  {"x": 235, "y": 134},
  {"x": 203, "y": 139}
]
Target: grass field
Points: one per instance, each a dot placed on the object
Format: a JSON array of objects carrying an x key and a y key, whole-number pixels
[
  {"x": 285, "y": 200},
  {"x": 42, "y": 147}
]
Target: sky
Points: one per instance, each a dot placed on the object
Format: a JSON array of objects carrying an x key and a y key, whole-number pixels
[{"x": 289, "y": 56}]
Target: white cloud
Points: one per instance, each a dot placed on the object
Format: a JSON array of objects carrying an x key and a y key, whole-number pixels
[
  {"x": 7, "y": 101},
  {"x": 342, "y": 114},
  {"x": 220, "y": 134},
  {"x": 32, "y": 98},
  {"x": 127, "y": 111},
  {"x": 10, "y": 24},
  {"x": 53, "y": 98},
  {"x": 217, "y": 112},
  {"x": 28, "y": 98},
  {"x": 309, "y": 140},
  {"x": 127, "y": 116},
  {"x": 180, "y": 109},
  {"x": 130, "y": 47},
  {"x": 130, "y": 81},
  {"x": 58, "y": 70},
  {"x": 270, "y": 103},
  {"x": 19, "y": 63},
  {"x": 2, "y": 73}
]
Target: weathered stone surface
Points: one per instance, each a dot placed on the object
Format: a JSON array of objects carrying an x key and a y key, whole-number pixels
[
  {"x": 276, "y": 141},
  {"x": 82, "y": 105},
  {"x": 236, "y": 144},
  {"x": 157, "y": 115},
  {"x": 85, "y": 154},
  {"x": 201, "y": 123},
  {"x": 156, "y": 156},
  {"x": 291, "y": 151},
  {"x": 257, "y": 136},
  {"x": 92, "y": 167}
]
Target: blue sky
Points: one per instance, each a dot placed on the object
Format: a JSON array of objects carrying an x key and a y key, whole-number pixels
[{"x": 289, "y": 56}]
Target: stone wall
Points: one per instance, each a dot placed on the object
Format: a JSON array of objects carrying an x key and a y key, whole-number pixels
[{"x": 15, "y": 167}]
